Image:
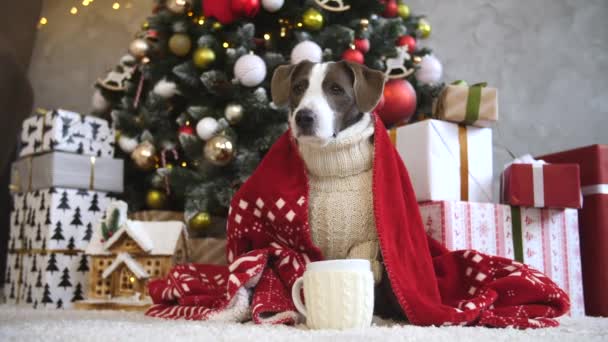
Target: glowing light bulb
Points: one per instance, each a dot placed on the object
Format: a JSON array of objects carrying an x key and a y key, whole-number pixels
[
  {"x": 73, "y": 10},
  {"x": 267, "y": 36},
  {"x": 85, "y": 2},
  {"x": 226, "y": 45},
  {"x": 132, "y": 279},
  {"x": 43, "y": 21},
  {"x": 184, "y": 164},
  {"x": 116, "y": 5}
]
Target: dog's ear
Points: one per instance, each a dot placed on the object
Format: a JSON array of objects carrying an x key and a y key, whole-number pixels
[
  {"x": 280, "y": 86},
  {"x": 368, "y": 86}
]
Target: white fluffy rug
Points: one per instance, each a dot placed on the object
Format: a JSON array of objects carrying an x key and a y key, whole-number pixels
[{"x": 69, "y": 325}]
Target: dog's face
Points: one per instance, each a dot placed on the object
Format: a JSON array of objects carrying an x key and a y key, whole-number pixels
[{"x": 325, "y": 98}]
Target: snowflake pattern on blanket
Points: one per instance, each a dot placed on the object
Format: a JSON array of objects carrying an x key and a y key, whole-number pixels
[{"x": 269, "y": 245}]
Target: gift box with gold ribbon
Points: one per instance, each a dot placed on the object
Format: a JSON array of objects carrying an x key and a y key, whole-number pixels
[
  {"x": 475, "y": 105},
  {"x": 447, "y": 161},
  {"x": 67, "y": 170}
]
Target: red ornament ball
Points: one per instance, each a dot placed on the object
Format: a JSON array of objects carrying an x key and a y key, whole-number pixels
[
  {"x": 362, "y": 45},
  {"x": 247, "y": 8},
  {"x": 409, "y": 41},
  {"x": 354, "y": 56},
  {"x": 398, "y": 104},
  {"x": 186, "y": 129},
  {"x": 391, "y": 9}
]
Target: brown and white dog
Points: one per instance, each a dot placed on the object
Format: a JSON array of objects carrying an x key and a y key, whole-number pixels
[
  {"x": 330, "y": 119},
  {"x": 326, "y": 98},
  {"x": 330, "y": 103}
]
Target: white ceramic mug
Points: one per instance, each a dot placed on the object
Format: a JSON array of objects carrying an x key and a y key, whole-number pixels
[{"x": 339, "y": 294}]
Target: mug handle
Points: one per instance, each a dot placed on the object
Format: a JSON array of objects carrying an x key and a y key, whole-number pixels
[{"x": 296, "y": 289}]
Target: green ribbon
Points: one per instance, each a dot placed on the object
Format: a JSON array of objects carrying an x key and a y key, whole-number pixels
[
  {"x": 473, "y": 103},
  {"x": 460, "y": 83},
  {"x": 518, "y": 243}
]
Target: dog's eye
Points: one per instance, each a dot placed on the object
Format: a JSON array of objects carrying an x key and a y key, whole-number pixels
[
  {"x": 300, "y": 87},
  {"x": 336, "y": 89}
]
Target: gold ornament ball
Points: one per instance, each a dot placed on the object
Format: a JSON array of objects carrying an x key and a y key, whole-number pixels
[
  {"x": 156, "y": 199},
  {"x": 312, "y": 19},
  {"x": 145, "y": 25},
  {"x": 144, "y": 156},
  {"x": 219, "y": 150},
  {"x": 203, "y": 57},
  {"x": 177, "y": 6},
  {"x": 425, "y": 28},
  {"x": 200, "y": 221},
  {"x": 403, "y": 10},
  {"x": 180, "y": 44},
  {"x": 233, "y": 113},
  {"x": 139, "y": 48},
  {"x": 216, "y": 26}
]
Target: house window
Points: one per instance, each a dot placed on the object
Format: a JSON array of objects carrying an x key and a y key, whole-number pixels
[{"x": 149, "y": 262}]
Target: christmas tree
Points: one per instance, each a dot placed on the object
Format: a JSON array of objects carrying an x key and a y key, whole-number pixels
[
  {"x": 191, "y": 99},
  {"x": 64, "y": 201},
  {"x": 52, "y": 263},
  {"x": 65, "y": 278},
  {"x": 46, "y": 295},
  {"x": 76, "y": 218},
  {"x": 77, "y": 295},
  {"x": 83, "y": 265},
  {"x": 88, "y": 234},
  {"x": 58, "y": 232},
  {"x": 94, "y": 207}
]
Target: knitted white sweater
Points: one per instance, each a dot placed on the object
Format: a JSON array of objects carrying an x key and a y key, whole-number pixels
[{"x": 341, "y": 213}]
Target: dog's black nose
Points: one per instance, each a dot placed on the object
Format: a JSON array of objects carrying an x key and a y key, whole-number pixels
[{"x": 305, "y": 118}]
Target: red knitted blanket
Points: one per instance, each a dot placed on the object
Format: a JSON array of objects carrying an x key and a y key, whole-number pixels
[{"x": 269, "y": 245}]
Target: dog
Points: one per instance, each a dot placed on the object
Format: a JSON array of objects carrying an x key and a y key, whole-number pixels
[
  {"x": 330, "y": 107},
  {"x": 329, "y": 117}
]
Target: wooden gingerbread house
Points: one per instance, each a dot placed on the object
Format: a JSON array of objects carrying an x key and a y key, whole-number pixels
[{"x": 124, "y": 258}]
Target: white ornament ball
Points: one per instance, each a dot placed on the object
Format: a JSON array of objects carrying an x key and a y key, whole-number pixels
[
  {"x": 127, "y": 144},
  {"x": 206, "y": 128},
  {"x": 250, "y": 70},
  {"x": 165, "y": 89},
  {"x": 99, "y": 103},
  {"x": 272, "y": 5},
  {"x": 430, "y": 70},
  {"x": 306, "y": 50}
]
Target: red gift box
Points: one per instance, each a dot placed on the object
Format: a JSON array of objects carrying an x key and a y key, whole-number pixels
[
  {"x": 541, "y": 186},
  {"x": 593, "y": 218}
]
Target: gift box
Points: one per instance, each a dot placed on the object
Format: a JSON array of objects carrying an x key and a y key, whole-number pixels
[
  {"x": 475, "y": 105},
  {"x": 67, "y": 170},
  {"x": 541, "y": 185},
  {"x": 62, "y": 130},
  {"x": 485, "y": 227},
  {"x": 55, "y": 219},
  {"x": 447, "y": 161},
  {"x": 593, "y": 163},
  {"x": 548, "y": 240},
  {"x": 46, "y": 280},
  {"x": 545, "y": 239}
]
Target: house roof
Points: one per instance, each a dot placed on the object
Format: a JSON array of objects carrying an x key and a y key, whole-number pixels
[
  {"x": 156, "y": 238},
  {"x": 125, "y": 258},
  {"x": 136, "y": 230}
]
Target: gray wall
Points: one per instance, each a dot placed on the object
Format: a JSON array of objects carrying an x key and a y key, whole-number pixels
[{"x": 549, "y": 58}]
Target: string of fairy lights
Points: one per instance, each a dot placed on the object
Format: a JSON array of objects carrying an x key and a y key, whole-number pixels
[{"x": 79, "y": 6}]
